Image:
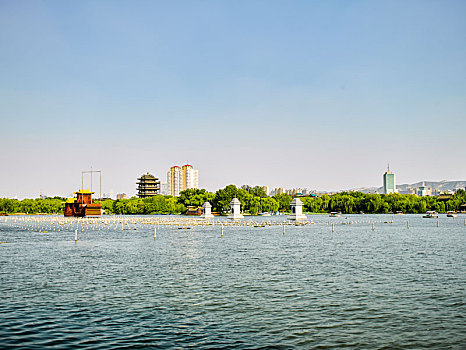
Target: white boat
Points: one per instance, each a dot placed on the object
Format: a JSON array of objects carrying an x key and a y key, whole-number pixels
[
  {"x": 334, "y": 214},
  {"x": 451, "y": 214},
  {"x": 430, "y": 214}
]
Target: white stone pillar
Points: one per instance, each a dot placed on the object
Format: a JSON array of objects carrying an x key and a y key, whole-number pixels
[
  {"x": 207, "y": 214},
  {"x": 235, "y": 206},
  {"x": 297, "y": 210}
]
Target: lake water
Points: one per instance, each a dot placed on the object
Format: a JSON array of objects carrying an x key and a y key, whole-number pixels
[{"x": 358, "y": 288}]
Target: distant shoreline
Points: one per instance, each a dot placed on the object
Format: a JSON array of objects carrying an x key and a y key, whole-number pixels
[{"x": 253, "y": 202}]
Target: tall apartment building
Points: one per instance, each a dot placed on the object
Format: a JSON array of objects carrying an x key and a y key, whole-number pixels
[
  {"x": 174, "y": 181},
  {"x": 189, "y": 177},
  {"x": 279, "y": 190},
  {"x": 180, "y": 179},
  {"x": 266, "y": 189},
  {"x": 389, "y": 182},
  {"x": 164, "y": 189}
]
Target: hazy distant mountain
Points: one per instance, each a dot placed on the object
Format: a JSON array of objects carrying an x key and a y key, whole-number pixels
[{"x": 438, "y": 186}]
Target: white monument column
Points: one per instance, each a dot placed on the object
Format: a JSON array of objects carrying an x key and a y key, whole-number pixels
[
  {"x": 297, "y": 210},
  {"x": 207, "y": 214},
  {"x": 235, "y": 205}
]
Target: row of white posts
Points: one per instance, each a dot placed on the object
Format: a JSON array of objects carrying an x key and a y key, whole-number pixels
[
  {"x": 333, "y": 229},
  {"x": 235, "y": 210}
]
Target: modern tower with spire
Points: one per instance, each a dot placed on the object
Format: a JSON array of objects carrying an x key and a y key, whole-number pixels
[{"x": 389, "y": 181}]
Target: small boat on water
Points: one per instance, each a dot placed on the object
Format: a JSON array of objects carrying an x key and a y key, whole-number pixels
[
  {"x": 265, "y": 214},
  {"x": 430, "y": 214},
  {"x": 334, "y": 214},
  {"x": 451, "y": 214},
  {"x": 193, "y": 210},
  {"x": 400, "y": 213}
]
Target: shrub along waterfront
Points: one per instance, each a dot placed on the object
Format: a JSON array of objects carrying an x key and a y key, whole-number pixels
[
  {"x": 372, "y": 203},
  {"x": 253, "y": 200},
  {"x": 32, "y": 206}
]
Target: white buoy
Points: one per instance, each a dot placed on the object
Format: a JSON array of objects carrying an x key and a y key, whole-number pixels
[{"x": 155, "y": 233}]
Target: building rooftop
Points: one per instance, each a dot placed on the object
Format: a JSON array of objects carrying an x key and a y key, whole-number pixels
[
  {"x": 235, "y": 201},
  {"x": 84, "y": 192},
  {"x": 147, "y": 177}
]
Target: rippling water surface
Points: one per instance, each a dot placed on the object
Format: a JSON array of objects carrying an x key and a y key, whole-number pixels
[{"x": 391, "y": 287}]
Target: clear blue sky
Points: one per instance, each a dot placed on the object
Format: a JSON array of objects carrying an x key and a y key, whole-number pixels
[{"x": 317, "y": 94}]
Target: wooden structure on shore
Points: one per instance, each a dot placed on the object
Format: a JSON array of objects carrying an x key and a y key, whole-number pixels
[{"x": 83, "y": 205}]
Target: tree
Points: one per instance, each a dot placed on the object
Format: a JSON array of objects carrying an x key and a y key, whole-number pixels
[
  {"x": 269, "y": 205},
  {"x": 107, "y": 205},
  {"x": 284, "y": 201},
  {"x": 223, "y": 197},
  {"x": 119, "y": 206},
  {"x": 255, "y": 205},
  {"x": 312, "y": 204},
  {"x": 195, "y": 197},
  {"x": 255, "y": 191}
]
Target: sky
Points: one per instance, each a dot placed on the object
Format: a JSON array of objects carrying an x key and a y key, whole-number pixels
[{"x": 293, "y": 94}]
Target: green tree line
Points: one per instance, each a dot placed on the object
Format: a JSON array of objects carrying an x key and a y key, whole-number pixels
[
  {"x": 33, "y": 206},
  {"x": 372, "y": 203},
  {"x": 253, "y": 200},
  {"x": 152, "y": 205}
]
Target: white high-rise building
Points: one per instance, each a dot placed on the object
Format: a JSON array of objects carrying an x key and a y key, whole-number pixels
[
  {"x": 180, "y": 179},
  {"x": 266, "y": 189},
  {"x": 423, "y": 190},
  {"x": 389, "y": 182},
  {"x": 189, "y": 177},
  {"x": 174, "y": 181},
  {"x": 164, "y": 189}
]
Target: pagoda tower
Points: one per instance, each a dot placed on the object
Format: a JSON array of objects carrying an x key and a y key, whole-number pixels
[{"x": 148, "y": 186}]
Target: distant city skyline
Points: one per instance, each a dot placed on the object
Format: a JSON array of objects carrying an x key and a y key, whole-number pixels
[{"x": 298, "y": 94}]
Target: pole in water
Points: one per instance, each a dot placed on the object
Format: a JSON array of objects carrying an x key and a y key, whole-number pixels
[
  {"x": 438, "y": 223},
  {"x": 155, "y": 233},
  {"x": 222, "y": 230},
  {"x": 76, "y": 236},
  {"x": 373, "y": 227},
  {"x": 283, "y": 228},
  {"x": 333, "y": 227},
  {"x": 407, "y": 224}
]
